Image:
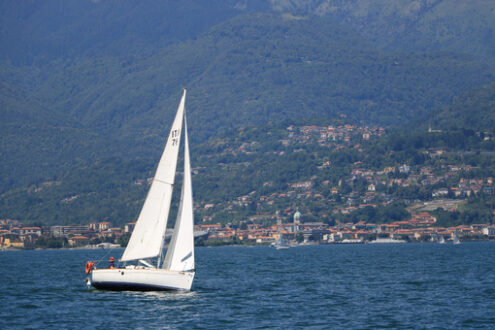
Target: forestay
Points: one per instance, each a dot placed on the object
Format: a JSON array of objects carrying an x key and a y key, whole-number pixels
[{"x": 147, "y": 237}]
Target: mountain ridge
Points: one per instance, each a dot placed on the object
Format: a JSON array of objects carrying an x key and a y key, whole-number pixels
[
  {"x": 412, "y": 25},
  {"x": 250, "y": 69},
  {"x": 76, "y": 96}
]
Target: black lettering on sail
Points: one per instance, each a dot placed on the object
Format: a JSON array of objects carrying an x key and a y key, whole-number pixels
[
  {"x": 175, "y": 133},
  {"x": 175, "y": 137}
]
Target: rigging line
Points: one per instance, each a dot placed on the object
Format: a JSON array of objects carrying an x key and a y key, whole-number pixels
[
  {"x": 161, "y": 181},
  {"x": 98, "y": 261},
  {"x": 105, "y": 256}
]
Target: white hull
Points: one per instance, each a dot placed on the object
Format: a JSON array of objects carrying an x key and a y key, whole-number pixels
[
  {"x": 387, "y": 240},
  {"x": 123, "y": 279}
]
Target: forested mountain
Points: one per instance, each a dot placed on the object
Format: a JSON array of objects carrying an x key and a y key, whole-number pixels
[
  {"x": 250, "y": 69},
  {"x": 40, "y": 31},
  {"x": 474, "y": 110},
  {"x": 260, "y": 67},
  {"x": 82, "y": 81},
  {"x": 37, "y": 32},
  {"x": 258, "y": 170},
  {"x": 412, "y": 25}
]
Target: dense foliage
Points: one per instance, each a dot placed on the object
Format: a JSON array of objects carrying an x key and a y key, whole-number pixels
[
  {"x": 413, "y": 25},
  {"x": 250, "y": 69},
  {"x": 252, "y": 162},
  {"x": 475, "y": 211},
  {"x": 473, "y": 110},
  {"x": 87, "y": 96}
]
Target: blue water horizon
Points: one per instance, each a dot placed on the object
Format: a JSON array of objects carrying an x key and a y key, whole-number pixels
[{"x": 326, "y": 286}]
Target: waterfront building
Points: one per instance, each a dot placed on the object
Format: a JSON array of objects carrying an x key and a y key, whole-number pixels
[{"x": 61, "y": 231}]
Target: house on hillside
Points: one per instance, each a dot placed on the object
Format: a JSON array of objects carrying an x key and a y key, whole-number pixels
[{"x": 78, "y": 241}]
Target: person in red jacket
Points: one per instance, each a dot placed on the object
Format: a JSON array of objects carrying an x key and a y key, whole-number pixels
[{"x": 112, "y": 263}]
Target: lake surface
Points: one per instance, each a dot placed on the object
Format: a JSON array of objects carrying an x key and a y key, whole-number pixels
[{"x": 332, "y": 286}]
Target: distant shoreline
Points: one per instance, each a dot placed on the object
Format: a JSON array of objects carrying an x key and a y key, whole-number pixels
[{"x": 87, "y": 247}]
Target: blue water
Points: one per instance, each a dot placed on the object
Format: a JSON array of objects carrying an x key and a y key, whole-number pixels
[{"x": 333, "y": 286}]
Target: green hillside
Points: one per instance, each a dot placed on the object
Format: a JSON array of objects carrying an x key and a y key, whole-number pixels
[
  {"x": 251, "y": 69},
  {"x": 40, "y": 31},
  {"x": 37, "y": 32},
  {"x": 88, "y": 90},
  {"x": 460, "y": 26},
  {"x": 38, "y": 143},
  {"x": 260, "y": 67},
  {"x": 472, "y": 110},
  {"x": 251, "y": 172}
]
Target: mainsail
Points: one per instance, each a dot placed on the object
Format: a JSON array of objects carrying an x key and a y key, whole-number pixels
[
  {"x": 147, "y": 238},
  {"x": 180, "y": 252}
]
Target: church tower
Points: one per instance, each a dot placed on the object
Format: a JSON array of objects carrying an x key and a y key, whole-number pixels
[{"x": 297, "y": 217}]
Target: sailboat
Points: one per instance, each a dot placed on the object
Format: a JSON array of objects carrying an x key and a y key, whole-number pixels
[
  {"x": 280, "y": 243},
  {"x": 150, "y": 271},
  {"x": 455, "y": 239}
]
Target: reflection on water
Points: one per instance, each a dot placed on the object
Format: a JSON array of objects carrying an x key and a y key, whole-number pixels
[{"x": 161, "y": 295}]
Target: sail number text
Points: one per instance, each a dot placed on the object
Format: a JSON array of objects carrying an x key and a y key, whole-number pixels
[{"x": 175, "y": 134}]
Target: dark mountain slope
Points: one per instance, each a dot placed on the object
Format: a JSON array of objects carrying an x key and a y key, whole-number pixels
[
  {"x": 18, "y": 109},
  {"x": 249, "y": 70},
  {"x": 412, "y": 25},
  {"x": 40, "y": 31},
  {"x": 38, "y": 143},
  {"x": 256, "y": 68},
  {"x": 472, "y": 110}
]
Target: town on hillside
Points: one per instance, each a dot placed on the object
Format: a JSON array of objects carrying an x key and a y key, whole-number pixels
[
  {"x": 340, "y": 203},
  {"x": 346, "y": 191},
  {"x": 102, "y": 235}
]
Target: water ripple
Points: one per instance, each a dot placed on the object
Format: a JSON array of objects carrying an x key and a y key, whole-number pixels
[{"x": 374, "y": 286}]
